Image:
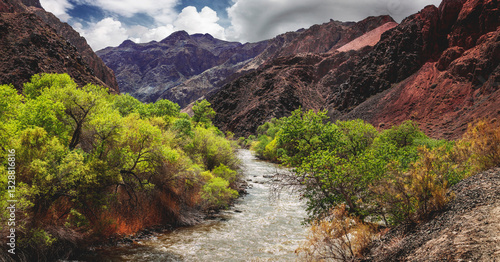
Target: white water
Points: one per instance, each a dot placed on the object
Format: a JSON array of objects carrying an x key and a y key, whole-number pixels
[{"x": 264, "y": 230}]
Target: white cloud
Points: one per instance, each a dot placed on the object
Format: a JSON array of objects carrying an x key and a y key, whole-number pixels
[
  {"x": 251, "y": 20},
  {"x": 161, "y": 10},
  {"x": 142, "y": 34},
  {"x": 58, "y": 7},
  {"x": 203, "y": 22},
  {"x": 107, "y": 32},
  {"x": 111, "y": 32},
  {"x": 254, "y": 20}
]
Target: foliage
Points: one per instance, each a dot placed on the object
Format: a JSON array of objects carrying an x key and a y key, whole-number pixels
[
  {"x": 226, "y": 173},
  {"x": 126, "y": 104},
  {"x": 87, "y": 155},
  {"x": 411, "y": 195},
  {"x": 480, "y": 145},
  {"x": 203, "y": 113},
  {"x": 211, "y": 149},
  {"x": 398, "y": 174},
  {"x": 217, "y": 194}
]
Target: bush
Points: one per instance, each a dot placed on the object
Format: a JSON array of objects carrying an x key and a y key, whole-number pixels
[
  {"x": 217, "y": 194},
  {"x": 211, "y": 149},
  {"x": 225, "y": 172},
  {"x": 411, "y": 195},
  {"x": 338, "y": 237},
  {"x": 480, "y": 146}
]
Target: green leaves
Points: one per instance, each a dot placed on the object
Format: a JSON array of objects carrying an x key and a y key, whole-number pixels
[
  {"x": 203, "y": 113},
  {"x": 338, "y": 163},
  {"x": 217, "y": 194},
  {"x": 86, "y": 153}
]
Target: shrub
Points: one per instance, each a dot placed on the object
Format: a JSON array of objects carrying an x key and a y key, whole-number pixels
[
  {"x": 225, "y": 172},
  {"x": 203, "y": 113},
  {"x": 411, "y": 195},
  {"x": 339, "y": 237},
  {"x": 217, "y": 194},
  {"x": 480, "y": 146},
  {"x": 211, "y": 149}
]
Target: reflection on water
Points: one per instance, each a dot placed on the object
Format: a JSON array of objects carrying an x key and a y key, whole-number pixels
[{"x": 255, "y": 229}]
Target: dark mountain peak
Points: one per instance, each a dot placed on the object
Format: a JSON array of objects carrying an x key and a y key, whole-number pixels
[
  {"x": 127, "y": 43},
  {"x": 175, "y": 37},
  {"x": 203, "y": 36}
]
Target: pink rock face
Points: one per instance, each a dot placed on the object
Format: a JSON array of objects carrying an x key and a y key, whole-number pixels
[{"x": 369, "y": 39}]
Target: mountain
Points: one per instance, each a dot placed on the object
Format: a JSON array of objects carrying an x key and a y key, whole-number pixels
[
  {"x": 212, "y": 79},
  {"x": 447, "y": 79},
  {"x": 149, "y": 71},
  {"x": 35, "y": 41},
  {"x": 439, "y": 67},
  {"x": 299, "y": 75}
]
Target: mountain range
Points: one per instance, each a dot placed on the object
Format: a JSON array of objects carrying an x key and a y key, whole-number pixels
[{"x": 439, "y": 67}]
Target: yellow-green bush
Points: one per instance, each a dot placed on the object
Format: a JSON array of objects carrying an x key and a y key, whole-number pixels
[
  {"x": 217, "y": 193},
  {"x": 480, "y": 145},
  {"x": 87, "y": 155}
]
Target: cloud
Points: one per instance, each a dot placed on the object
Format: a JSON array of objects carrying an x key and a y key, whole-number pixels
[
  {"x": 112, "y": 32},
  {"x": 203, "y": 22},
  {"x": 254, "y": 20},
  {"x": 249, "y": 20},
  {"x": 163, "y": 11},
  {"x": 58, "y": 7},
  {"x": 142, "y": 34},
  {"x": 107, "y": 32}
]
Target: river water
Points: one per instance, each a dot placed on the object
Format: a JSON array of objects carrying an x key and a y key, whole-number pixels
[{"x": 256, "y": 228}]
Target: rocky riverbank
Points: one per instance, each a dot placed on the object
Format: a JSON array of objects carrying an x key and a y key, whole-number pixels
[{"x": 468, "y": 229}]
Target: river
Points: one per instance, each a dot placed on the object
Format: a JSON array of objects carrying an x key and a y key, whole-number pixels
[{"x": 256, "y": 228}]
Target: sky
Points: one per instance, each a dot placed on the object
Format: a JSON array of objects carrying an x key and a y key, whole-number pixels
[{"x": 110, "y": 22}]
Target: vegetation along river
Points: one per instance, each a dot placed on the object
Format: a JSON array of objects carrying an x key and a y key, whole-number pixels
[{"x": 256, "y": 228}]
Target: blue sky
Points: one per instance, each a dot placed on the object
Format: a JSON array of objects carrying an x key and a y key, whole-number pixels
[{"x": 109, "y": 22}]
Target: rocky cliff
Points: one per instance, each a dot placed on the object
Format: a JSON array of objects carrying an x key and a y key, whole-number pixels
[
  {"x": 298, "y": 75},
  {"x": 29, "y": 46},
  {"x": 451, "y": 80},
  {"x": 94, "y": 62},
  {"x": 93, "y": 65},
  {"x": 439, "y": 67}
]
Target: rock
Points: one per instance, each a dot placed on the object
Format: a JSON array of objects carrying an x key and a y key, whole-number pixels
[
  {"x": 293, "y": 78},
  {"x": 29, "y": 46},
  {"x": 467, "y": 229},
  {"x": 448, "y": 56},
  {"x": 86, "y": 55},
  {"x": 439, "y": 67}
]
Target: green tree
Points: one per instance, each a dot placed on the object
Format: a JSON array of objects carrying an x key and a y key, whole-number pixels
[
  {"x": 202, "y": 112},
  {"x": 10, "y": 105},
  {"x": 126, "y": 104}
]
